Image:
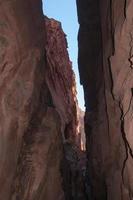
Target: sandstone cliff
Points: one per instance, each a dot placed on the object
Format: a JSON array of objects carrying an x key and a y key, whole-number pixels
[
  {"x": 38, "y": 122},
  {"x": 61, "y": 83},
  {"x": 106, "y": 71},
  {"x": 60, "y": 78},
  {"x": 37, "y": 103}
]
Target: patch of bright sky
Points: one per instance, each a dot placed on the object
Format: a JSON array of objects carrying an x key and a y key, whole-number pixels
[{"x": 65, "y": 12}]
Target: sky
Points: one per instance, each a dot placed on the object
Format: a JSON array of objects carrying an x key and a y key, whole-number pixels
[{"x": 66, "y": 13}]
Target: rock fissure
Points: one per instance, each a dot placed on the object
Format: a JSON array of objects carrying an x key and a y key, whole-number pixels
[
  {"x": 127, "y": 145},
  {"x": 112, "y": 28},
  {"x": 130, "y": 59},
  {"x": 42, "y": 147},
  {"x": 125, "y": 8}
]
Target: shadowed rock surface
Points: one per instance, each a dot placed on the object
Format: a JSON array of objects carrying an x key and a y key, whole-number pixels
[
  {"x": 81, "y": 131},
  {"x": 105, "y": 65}
]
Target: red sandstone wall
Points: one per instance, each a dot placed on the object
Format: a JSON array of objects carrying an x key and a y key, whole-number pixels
[
  {"x": 33, "y": 106},
  {"x": 60, "y": 77},
  {"x": 105, "y": 63}
]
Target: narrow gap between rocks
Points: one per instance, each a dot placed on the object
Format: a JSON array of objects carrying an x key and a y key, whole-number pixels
[{"x": 73, "y": 166}]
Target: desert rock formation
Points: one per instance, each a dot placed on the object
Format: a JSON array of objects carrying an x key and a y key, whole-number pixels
[{"x": 106, "y": 72}]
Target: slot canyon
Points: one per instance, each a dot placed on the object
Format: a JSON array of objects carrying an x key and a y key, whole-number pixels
[{"x": 44, "y": 154}]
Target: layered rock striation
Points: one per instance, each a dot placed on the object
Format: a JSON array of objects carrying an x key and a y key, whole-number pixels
[{"x": 106, "y": 72}]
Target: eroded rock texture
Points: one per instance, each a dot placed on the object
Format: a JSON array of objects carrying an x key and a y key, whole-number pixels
[
  {"x": 106, "y": 71},
  {"x": 61, "y": 83},
  {"x": 60, "y": 77},
  {"x": 36, "y": 89}
]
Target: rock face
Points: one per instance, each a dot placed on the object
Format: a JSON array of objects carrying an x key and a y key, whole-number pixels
[
  {"x": 61, "y": 83},
  {"x": 106, "y": 71},
  {"x": 60, "y": 78},
  {"x": 81, "y": 132},
  {"x": 38, "y": 106},
  {"x": 37, "y": 103}
]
